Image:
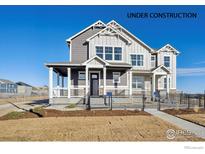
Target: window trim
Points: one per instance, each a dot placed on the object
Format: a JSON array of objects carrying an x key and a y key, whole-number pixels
[
  {"x": 169, "y": 60},
  {"x": 79, "y": 72},
  {"x": 119, "y": 73},
  {"x": 136, "y": 59},
  {"x": 138, "y": 82},
  {"x": 113, "y": 53},
  {"x": 108, "y": 53},
  {"x": 103, "y": 51}
]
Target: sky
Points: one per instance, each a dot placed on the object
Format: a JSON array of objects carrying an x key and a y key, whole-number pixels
[{"x": 30, "y": 36}]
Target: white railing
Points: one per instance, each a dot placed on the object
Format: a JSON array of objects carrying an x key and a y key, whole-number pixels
[{"x": 60, "y": 92}]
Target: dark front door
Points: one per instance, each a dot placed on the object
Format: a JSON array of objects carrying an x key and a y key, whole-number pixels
[{"x": 94, "y": 84}]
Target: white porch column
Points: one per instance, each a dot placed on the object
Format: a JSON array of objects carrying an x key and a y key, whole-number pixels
[
  {"x": 104, "y": 80},
  {"x": 153, "y": 84},
  {"x": 50, "y": 82},
  {"x": 167, "y": 83},
  {"x": 86, "y": 81},
  {"x": 69, "y": 81},
  {"x": 130, "y": 84},
  {"x": 58, "y": 85}
]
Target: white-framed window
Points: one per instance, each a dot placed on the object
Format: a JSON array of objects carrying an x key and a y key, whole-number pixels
[
  {"x": 108, "y": 53},
  {"x": 165, "y": 83},
  {"x": 99, "y": 51},
  {"x": 153, "y": 61},
  {"x": 138, "y": 82},
  {"x": 117, "y": 53},
  {"x": 81, "y": 75},
  {"x": 167, "y": 61},
  {"x": 116, "y": 77},
  {"x": 137, "y": 59}
]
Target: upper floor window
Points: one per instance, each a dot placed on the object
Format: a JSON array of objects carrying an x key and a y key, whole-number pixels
[
  {"x": 166, "y": 61},
  {"x": 108, "y": 53},
  {"x": 99, "y": 51},
  {"x": 137, "y": 60},
  {"x": 117, "y": 53},
  {"x": 153, "y": 61}
]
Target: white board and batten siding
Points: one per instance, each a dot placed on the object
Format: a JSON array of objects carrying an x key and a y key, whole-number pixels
[
  {"x": 127, "y": 49},
  {"x": 172, "y": 68}
]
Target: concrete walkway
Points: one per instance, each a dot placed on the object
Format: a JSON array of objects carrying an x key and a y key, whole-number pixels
[{"x": 199, "y": 131}]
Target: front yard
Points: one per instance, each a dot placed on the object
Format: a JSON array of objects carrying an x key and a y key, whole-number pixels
[{"x": 120, "y": 125}]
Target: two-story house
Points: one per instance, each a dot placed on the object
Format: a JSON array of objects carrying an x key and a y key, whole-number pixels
[{"x": 108, "y": 58}]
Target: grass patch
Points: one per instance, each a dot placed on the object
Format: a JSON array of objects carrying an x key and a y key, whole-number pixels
[
  {"x": 71, "y": 106},
  {"x": 38, "y": 109},
  {"x": 15, "y": 115}
]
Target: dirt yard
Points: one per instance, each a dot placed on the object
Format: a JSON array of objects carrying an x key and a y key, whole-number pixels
[
  {"x": 89, "y": 128},
  {"x": 21, "y": 99},
  {"x": 193, "y": 115}
]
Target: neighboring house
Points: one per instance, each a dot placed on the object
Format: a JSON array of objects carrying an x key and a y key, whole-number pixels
[
  {"x": 7, "y": 87},
  {"x": 24, "y": 89},
  {"x": 108, "y": 58}
]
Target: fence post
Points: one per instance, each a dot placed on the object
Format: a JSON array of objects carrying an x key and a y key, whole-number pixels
[
  {"x": 180, "y": 99},
  {"x": 143, "y": 102},
  {"x": 110, "y": 101},
  {"x": 158, "y": 104},
  {"x": 88, "y": 103},
  {"x": 199, "y": 100},
  {"x": 188, "y": 102}
]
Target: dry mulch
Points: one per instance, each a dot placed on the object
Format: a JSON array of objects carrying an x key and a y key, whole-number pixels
[
  {"x": 82, "y": 113},
  {"x": 183, "y": 111}
]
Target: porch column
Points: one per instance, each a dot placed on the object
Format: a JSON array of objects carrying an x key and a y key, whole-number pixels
[
  {"x": 50, "y": 82},
  {"x": 58, "y": 85},
  {"x": 104, "y": 80},
  {"x": 167, "y": 83},
  {"x": 130, "y": 84},
  {"x": 86, "y": 81},
  {"x": 153, "y": 84},
  {"x": 69, "y": 81}
]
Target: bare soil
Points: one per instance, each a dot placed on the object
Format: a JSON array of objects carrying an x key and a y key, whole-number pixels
[
  {"x": 40, "y": 113},
  {"x": 89, "y": 128},
  {"x": 191, "y": 115},
  {"x": 184, "y": 111},
  {"x": 21, "y": 99}
]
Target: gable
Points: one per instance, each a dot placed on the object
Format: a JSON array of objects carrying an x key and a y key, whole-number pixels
[
  {"x": 109, "y": 31},
  {"x": 160, "y": 70},
  {"x": 168, "y": 48},
  {"x": 125, "y": 32}
]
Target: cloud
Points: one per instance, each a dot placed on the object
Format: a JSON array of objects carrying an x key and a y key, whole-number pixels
[{"x": 199, "y": 71}]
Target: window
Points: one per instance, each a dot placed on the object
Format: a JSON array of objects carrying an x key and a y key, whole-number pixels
[
  {"x": 108, "y": 53},
  {"x": 165, "y": 83},
  {"x": 153, "y": 61},
  {"x": 137, "y": 60},
  {"x": 138, "y": 82},
  {"x": 99, "y": 51},
  {"x": 117, "y": 53},
  {"x": 134, "y": 60},
  {"x": 81, "y": 75},
  {"x": 116, "y": 77},
  {"x": 166, "y": 61}
]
